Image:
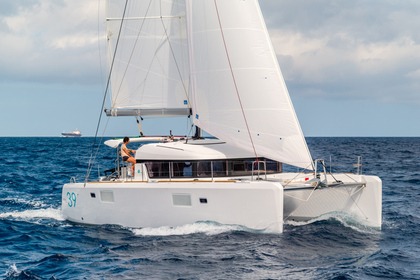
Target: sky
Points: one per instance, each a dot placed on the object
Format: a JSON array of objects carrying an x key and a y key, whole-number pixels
[{"x": 352, "y": 67}]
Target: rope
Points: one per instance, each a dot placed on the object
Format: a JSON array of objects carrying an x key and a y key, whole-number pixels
[
  {"x": 92, "y": 156},
  {"x": 234, "y": 80}
]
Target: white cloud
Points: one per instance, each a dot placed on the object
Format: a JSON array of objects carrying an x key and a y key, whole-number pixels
[
  {"x": 385, "y": 57},
  {"x": 357, "y": 49},
  {"x": 359, "y": 53},
  {"x": 51, "y": 41},
  {"x": 73, "y": 41},
  {"x": 15, "y": 23}
]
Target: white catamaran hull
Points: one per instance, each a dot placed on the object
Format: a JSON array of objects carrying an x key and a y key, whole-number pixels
[
  {"x": 360, "y": 200},
  {"x": 260, "y": 205},
  {"x": 256, "y": 205}
]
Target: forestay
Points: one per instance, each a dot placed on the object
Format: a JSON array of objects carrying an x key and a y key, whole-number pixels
[{"x": 239, "y": 94}]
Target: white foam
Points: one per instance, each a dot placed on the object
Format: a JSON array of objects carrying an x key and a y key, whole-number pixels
[
  {"x": 25, "y": 201},
  {"x": 12, "y": 271},
  {"x": 13, "y": 267},
  {"x": 199, "y": 227},
  {"x": 390, "y": 224},
  {"x": 346, "y": 220},
  {"x": 48, "y": 213}
]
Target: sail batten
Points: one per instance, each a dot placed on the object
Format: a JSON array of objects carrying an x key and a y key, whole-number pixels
[
  {"x": 148, "y": 112},
  {"x": 143, "y": 18}
]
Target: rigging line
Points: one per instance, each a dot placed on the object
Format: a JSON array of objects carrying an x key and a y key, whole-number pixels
[
  {"x": 135, "y": 43},
  {"x": 234, "y": 80},
  {"x": 332, "y": 175},
  {"x": 300, "y": 204},
  {"x": 348, "y": 175},
  {"x": 173, "y": 56},
  {"x": 297, "y": 175},
  {"x": 97, "y": 149},
  {"x": 100, "y": 67},
  {"x": 355, "y": 202},
  {"x": 104, "y": 98}
]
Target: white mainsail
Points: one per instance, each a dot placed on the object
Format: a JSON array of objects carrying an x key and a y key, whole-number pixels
[
  {"x": 150, "y": 69},
  {"x": 239, "y": 94}
]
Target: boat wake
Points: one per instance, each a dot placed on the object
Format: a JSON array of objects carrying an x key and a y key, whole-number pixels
[
  {"x": 208, "y": 228},
  {"x": 343, "y": 218},
  {"x": 34, "y": 214},
  {"x": 21, "y": 202}
]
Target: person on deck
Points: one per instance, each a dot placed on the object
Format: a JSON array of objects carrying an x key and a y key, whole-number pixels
[{"x": 127, "y": 154}]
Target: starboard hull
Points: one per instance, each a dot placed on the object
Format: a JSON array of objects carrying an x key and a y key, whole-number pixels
[{"x": 359, "y": 200}]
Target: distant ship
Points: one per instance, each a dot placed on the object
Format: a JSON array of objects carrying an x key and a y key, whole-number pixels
[{"x": 74, "y": 133}]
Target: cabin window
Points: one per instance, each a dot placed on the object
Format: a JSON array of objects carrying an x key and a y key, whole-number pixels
[
  {"x": 211, "y": 169},
  {"x": 158, "y": 169}
]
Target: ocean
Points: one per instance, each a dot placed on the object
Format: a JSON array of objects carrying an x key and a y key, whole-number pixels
[{"x": 37, "y": 243}]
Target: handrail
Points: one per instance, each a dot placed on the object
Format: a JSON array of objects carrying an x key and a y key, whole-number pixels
[{"x": 257, "y": 162}]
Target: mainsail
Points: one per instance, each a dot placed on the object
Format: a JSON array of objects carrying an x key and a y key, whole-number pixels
[
  {"x": 213, "y": 57},
  {"x": 149, "y": 58},
  {"x": 239, "y": 94}
]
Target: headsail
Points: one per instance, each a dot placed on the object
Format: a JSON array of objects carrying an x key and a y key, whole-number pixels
[
  {"x": 150, "y": 69},
  {"x": 239, "y": 92}
]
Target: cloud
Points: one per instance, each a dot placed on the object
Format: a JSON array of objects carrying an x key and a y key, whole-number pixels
[
  {"x": 10, "y": 7},
  {"x": 332, "y": 53},
  {"x": 348, "y": 49},
  {"x": 50, "y": 41},
  {"x": 336, "y": 49}
]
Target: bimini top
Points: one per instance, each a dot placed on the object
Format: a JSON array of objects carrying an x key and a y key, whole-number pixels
[{"x": 204, "y": 149}]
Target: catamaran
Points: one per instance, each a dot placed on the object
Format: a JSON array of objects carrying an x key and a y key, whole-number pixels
[{"x": 212, "y": 62}]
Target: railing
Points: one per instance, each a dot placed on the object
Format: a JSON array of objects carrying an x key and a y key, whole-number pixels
[
  {"x": 257, "y": 164},
  {"x": 324, "y": 170}
]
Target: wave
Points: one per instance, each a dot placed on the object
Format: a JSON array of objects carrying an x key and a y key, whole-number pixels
[
  {"x": 14, "y": 273},
  {"x": 213, "y": 228},
  {"x": 343, "y": 218},
  {"x": 208, "y": 228},
  {"x": 47, "y": 213},
  {"x": 21, "y": 202}
]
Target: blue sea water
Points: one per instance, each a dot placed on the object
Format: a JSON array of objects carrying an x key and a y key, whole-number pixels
[{"x": 37, "y": 243}]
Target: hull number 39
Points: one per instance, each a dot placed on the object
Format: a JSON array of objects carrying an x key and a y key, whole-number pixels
[{"x": 71, "y": 199}]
